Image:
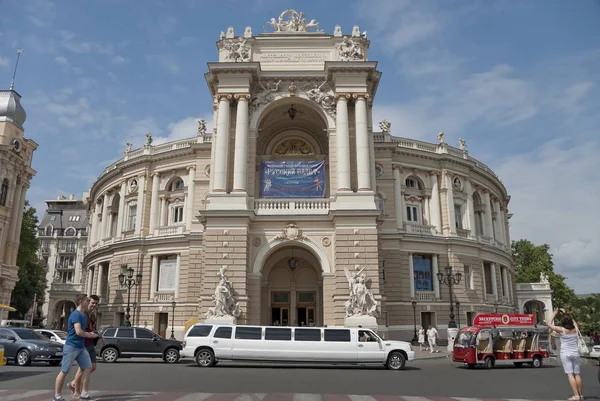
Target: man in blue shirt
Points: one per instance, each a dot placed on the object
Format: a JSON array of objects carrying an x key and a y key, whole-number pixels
[{"x": 74, "y": 349}]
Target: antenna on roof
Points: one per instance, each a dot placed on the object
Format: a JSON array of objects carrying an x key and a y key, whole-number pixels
[{"x": 12, "y": 81}]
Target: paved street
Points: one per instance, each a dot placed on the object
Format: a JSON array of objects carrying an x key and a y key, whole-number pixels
[{"x": 129, "y": 380}]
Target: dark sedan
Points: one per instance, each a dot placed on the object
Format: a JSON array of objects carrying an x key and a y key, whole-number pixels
[{"x": 24, "y": 346}]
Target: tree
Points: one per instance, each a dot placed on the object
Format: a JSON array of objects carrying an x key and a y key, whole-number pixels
[
  {"x": 586, "y": 311},
  {"x": 32, "y": 271},
  {"x": 531, "y": 260}
]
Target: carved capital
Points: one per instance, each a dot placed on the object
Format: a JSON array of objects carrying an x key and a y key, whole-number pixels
[
  {"x": 397, "y": 167},
  {"x": 155, "y": 175},
  {"x": 224, "y": 96},
  {"x": 434, "y": 173},
  {"x": 239, "y": 96},
  {"x": 363, "y": 95},
  {"x": 189, "y": 168},
  {"x": 341, "y": 95}
]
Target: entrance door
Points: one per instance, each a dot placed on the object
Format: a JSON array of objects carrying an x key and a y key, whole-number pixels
[
  {"x": 426, "y": 320},
  {"x": 163, "y": 322},
  {"x": 280, "y": 308},
  {"x": 305, "y": 311}
]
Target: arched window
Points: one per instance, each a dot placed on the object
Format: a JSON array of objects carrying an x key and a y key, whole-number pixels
[
  {"x": 177, "y": 184},
  {"x": 413, "y": 183},
  {"x": 49, "y": 229},
  {"x": 70, "y": 232},
  {"x": 4, "y": 192},
  {"x": 380, "y": 201}
]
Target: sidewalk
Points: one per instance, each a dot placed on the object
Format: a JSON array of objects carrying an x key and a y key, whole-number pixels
[{"x": 442, "y": 354}]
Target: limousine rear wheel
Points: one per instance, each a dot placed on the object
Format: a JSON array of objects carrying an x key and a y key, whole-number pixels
[
  {"x": 396, "y": 361},
  {"x": 205, "y": 358}
]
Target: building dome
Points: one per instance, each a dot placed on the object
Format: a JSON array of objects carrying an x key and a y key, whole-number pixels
[{"x": 10, "y": 107}]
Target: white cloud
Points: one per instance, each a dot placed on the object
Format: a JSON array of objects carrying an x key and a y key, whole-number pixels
[
  {"x": 185, "y": 128},
  {"x": 118, "y": 60},
  {"x": 165, "y": 61},
  {"x": 4, "y": 62},
  {"x": 41, "y": 13},
  {"x": 61, "y": 60}
]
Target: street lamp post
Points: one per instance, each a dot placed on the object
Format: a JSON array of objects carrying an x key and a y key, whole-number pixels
[
  {"x": 495, "y": 307},
  {"x": 414, "y": 305},
  {"x": 457, "y": 304},
  {"x": 449, "y": 279},
  {"x": 173, "y": 304},
  {"x": 129, "y": 281}
]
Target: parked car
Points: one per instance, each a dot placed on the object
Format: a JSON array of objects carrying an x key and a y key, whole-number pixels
[
  {"x": 23, "y": 346},
  {"x": 2, "y": 358},
  {"x": 136, "y": 342},
  {"x": 58, "y": 336},
  {"x": 595, "y": 352}
]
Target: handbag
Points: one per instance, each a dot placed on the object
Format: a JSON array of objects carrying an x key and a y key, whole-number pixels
[{"x": 583, "y": 349}]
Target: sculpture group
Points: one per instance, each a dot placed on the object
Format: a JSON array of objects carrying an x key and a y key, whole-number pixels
[
  {"x": 224, "y": 298},
  {"x": 295, "y": 23},
  {"x": 361, "y": 302}
]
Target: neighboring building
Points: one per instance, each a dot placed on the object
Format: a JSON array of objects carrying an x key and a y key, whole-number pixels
[
  {"x": 16, "y": 153},
  {"x": 63, "y": 240},
  {"x": 299, "y": 103},
  {"x": 536, "y": 298}
]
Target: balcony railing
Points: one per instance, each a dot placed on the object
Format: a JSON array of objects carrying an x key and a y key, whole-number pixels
[
  {"x": 164, "y": 296},
  {"x": 169, "y": 230},
  {"x": 291, "y": 206},
  {"x": 65, "y": 287},
  {"x": 419, "y": 229},
  {"x": 425, "y": 295}
]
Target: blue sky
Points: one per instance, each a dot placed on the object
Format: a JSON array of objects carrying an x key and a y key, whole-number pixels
[{"x": 517, "y": 79}]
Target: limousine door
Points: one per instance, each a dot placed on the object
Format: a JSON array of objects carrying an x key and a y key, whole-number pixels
[
  {"x": 222, "y": 343},
  {"x": 369, "y": 348}
]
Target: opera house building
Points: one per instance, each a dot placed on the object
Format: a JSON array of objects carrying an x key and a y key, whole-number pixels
[{"x": 297, "y": 208}]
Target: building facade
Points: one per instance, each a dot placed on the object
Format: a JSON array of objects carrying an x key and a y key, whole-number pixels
[
  {"x": 16, "y": 154},
  {"x": 294, "y": 189},
  {"x": 63, "y": 241}
]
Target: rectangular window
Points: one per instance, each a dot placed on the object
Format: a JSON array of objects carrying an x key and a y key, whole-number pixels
[
  {"x": 202, "y": 331},
  {"x": 177, "y": 214},
  {"x": 306, "y": 297},
  {"x": 422, "y": 273},
  {"x": 479, "y": 223},
  {"x": 131, "y": 217},
  {"x": 167, "y": 274},
  {"x": 468, "y": 274},
  {"x": 223, "y": 332},
  {"x": 487, "y": 270},
  {"x": 335, "y": 335},
  {"x": 412, "y": 214},
  {"x": 307, "y": 334},
  {"x": 281, "y": 297},
  {"x": 248, "y": 333},
  {"x": 144, "y": 334},
  {"x": 278, "y": 334},
  {"x": 125, "y": 333},
  {"x": 458, "y": 216},
  {"x": 109, "y": 332}
]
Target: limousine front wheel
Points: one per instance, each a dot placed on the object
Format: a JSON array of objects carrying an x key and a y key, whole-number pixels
[
  {"x": 396, "y": 361},
  {"x": 205, "y": 358}
]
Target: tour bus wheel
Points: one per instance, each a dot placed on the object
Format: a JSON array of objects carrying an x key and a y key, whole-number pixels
[
  {"x": 537, "y": 361},
  {"x": 489, "y": 362}
]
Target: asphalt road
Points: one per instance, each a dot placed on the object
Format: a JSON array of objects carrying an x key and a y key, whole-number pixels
[{"x": 424, "y": 378}]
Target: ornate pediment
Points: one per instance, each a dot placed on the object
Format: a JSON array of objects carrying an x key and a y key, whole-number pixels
[
  {"x": 293, "y": 147},
  {"x": 291, "y": 232}
]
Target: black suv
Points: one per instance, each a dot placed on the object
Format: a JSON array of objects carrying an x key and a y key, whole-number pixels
[{"x": 136, "y": 342}]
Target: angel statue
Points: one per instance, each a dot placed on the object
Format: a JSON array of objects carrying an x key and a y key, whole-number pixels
[
  {"x": 440, "y": 137},
  {"x": 201, "y": 127},
  {"x": 544, "y": 278},
  {"x": 148, "y": 139},
  {"x": 385, "y": 126},
  {"x": 225, "y": 303},
  {"x": 362, "y": 301}
]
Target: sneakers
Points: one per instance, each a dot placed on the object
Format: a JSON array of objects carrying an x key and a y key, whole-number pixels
[
  {"x": 58, "y": 398},
  {"x": 86, "y": 396}
]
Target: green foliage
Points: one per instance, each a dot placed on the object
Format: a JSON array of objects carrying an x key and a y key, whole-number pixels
[
  {"x": 32, "y": 271},
  {"x": 531, "y": 260},
  {"x": 587, "y": 313}
]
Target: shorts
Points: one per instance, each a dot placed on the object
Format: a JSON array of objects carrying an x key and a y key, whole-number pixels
[
  {"x": 92, "y": 351},
  {"x": 72, "y": 354},
  {"x": 571, "y": 364}
]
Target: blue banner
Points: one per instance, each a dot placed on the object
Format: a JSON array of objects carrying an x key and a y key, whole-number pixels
[{"x": 292, "y": 179}]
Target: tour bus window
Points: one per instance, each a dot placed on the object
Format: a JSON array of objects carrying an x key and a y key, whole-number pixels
[
  {"x": 337, "y": 335},
  {"x": 109, "y": 332},
  {"x": 223, "y": 332},
  {"x": 278, "y": 334},
  {"x": 200, "y": 331},
  {"x": 248, "y": 333},
  {"x": 307, "y": 334}
]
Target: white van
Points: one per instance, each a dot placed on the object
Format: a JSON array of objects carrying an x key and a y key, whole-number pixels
[{"x": 210, "y": 343}]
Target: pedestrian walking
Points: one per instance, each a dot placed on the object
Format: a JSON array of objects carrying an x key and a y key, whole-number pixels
[
  {"x": 432, "y": 336},
  {"x": 569, "y": 352},
  {"x": 74, "y": 349},
  {"x": 422, "y": 339},
  {"x": 77, "y": 386}
]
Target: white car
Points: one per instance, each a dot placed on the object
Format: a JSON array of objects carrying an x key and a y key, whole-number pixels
[
  {"x": 210, "y": 343},
  {"x": 58, "y": 336},
  {"x": 595, "y": 352}
]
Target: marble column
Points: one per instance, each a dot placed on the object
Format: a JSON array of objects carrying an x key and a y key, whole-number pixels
[
  {"x": 427, "y": 207},
  {"x": 95, "y": 223},
  {"x": 501, "y": 225},
  {"x": 497, "y": 228},
  {"x": 154, "y": 202},
  {"x": 435, "y": 269},
  {"x": 450, "y": 203},
  {"x": 483, "y": 281},
  {"x": 121, "y": 215},
  {"x": 105, "y": 218},
  {"x": 470, "y": 208},
  {"x": 240, "y": 161},
  {"x": 163, "y": 212},
  {"x": 154, "y": 276},
  {"x": 504, "y": 275},
  {"x": 99, "y": 279},
  {"x": 90, "y": 280},
  {"x": 489, "y": 226},
  {"x": 14, "y": 219},
  {"x": 494, "y": 280},
  {"x": 140, "y": 204},
  {"x": 211, "y": 178},
  {"x": 363, "y": 164},
  {"x": 189, "y": 202},
  {"x": 342, "y": 141},
  {"x": 435, "y": 208},
  {"x": 222, "y": 145},
  {"x": 399, "y": 197}
]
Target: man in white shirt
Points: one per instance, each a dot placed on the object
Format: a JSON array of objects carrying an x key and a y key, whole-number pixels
[{"x": 432, "y": 335}]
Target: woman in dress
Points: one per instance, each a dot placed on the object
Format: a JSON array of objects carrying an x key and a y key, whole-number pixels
[
  {"x": 421, "y": 338},
  {"x": 569, "y": 352}
]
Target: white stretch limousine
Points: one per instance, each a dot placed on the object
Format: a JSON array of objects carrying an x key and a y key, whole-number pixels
[{"x": 210, "y": 343}]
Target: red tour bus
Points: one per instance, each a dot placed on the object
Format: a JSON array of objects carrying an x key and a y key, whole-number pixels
[{"x": 498, "y": 338}]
